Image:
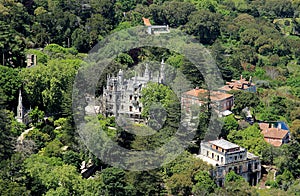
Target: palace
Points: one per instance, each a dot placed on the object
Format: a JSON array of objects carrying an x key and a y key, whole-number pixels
[{"x": 122, "y": 96}]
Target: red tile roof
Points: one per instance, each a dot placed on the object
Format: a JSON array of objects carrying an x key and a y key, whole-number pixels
[
  {"x": 263, "y": 126},
  {"x": 146, "y": 22},
  {"x": 214, "y": 95},
  {"x": 274, "y": 133},
  {"x": 276, "y": 143},
  {"x": 237, "y": 85}
]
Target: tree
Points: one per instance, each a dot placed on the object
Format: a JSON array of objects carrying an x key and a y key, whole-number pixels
[
  {"x": 114, "y": 181},
  {"x": 230, "y": 124},
  {"x": 249, "y": 138},
  {"x": 279, "y": 8},
  {"x": 295, "y": 129},
  {"x": 180, "y": 184},
  {"x": 181, "y": 173},
  {"x": 204, "y": 184},
  {"x": 288, "y": 159},
  {"x": 145, "y": 182},
  {"x": 155, "y": 93},
  {"x": 244, "y": 99},
  {"x": 177, "y": 13},
  {"x": 10, "y": 84},
  {"x": 236, "y": 185},
  {"x": 36, "y": 116},
  {"x": 81, "y": 40},
  {"x": 6, "y": 136},
  {"x": 204, "y": 25},
  {"x": 49, "y": 175}
]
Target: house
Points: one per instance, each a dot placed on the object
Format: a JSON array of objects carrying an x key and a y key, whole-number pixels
[
  {"x": 274, "y": 135},
  {"x": 155, "y": 29},
  {"x": 122, "y": 96},
  {"x": 241, "y": 84},
  {"x": 219, "y": 100},
  {"x": 226, "y": 156}
]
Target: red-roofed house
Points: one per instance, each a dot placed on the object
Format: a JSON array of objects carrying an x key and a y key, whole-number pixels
[
  {"x": 155, "y": 29},
  {"x": 221, "y": 101},
  {"x": 241, "y": 84},
  {"x": 274, "y": 136}
]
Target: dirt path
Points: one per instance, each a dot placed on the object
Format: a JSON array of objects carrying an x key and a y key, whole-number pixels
[{"x": 22, "y": 136}]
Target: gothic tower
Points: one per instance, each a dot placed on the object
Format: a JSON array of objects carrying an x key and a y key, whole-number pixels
[
  {"x": 20, "y": 109},
  {"x": 147, "y": 73},
  {"x": 162, "y": 72}
]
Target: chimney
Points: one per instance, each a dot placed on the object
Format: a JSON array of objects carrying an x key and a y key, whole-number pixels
[
  {"x": 197, "y": 87},
  {"x": 279, "y": 125},
  {"x": 250, "y": 80},
  {"x": 241, "y": 77}
]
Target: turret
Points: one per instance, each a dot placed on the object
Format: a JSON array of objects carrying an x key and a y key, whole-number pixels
[
  {"x": 147, "y": 73},
  {"x": 121, "y": 76},
  {"x": 20, "y": 109},
  {"x": 162, "y": 72}
]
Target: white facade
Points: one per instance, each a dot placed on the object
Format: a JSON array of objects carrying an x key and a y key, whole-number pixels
[{"x": 226, "y": 156}]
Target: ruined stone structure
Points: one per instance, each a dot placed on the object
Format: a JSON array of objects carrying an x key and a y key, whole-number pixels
[
  {"x": 226, "y": 156},
  {"x": 122, "y": 96},
  {"x": 31, "y": 60}
]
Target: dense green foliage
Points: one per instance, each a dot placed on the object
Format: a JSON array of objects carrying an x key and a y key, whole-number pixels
[{"x": 250, "y": 38}]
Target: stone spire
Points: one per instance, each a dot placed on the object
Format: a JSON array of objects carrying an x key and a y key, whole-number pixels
[
  {"x": 135, "y": 77},
  {"x": 162, "y": 72},
  {"x": 121, "y": 76},
  {"x": 147, "y": 73},
  {"x": 20, "y": 109}
]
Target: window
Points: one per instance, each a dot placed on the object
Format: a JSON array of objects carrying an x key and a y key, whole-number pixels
[
  {"x": 140, "y": 109},
  {"x": 207, "y": 153},
  {"x": 122, "y": 107},
  {"x": 221, "y": 159},
  {"x": 249, "y": 166},
  {"x": 241, "y": 156},
  {"x": 255, "y": 166},
  {"x": 235, "y": 157},
  {"x": 218, "y": 158},
  {"x": 217, "y": 147},
  {"x": 130, "y": 108},
  {"x": 130, "y": 97},
  {"x": 212, "y": 155},
  {"x": 110, "y": 97}
]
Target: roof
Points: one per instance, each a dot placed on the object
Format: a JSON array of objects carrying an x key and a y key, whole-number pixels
[
  {"x": 237, "y": 85},
  {"x": 276, "y": 143},
  {"x": 226, "y": 113},
  {"x": 214, "y": 95},
  {"x": 263, "y": 126},
  {"x": 274, "y": 133},
  {"x": 251, "y": 156},
  {"x": 283, "y": 125},
  {"x": 224, "y": 144},
  {"x": 146, "y": 22},
  {"x": 196, "y": 92}
]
